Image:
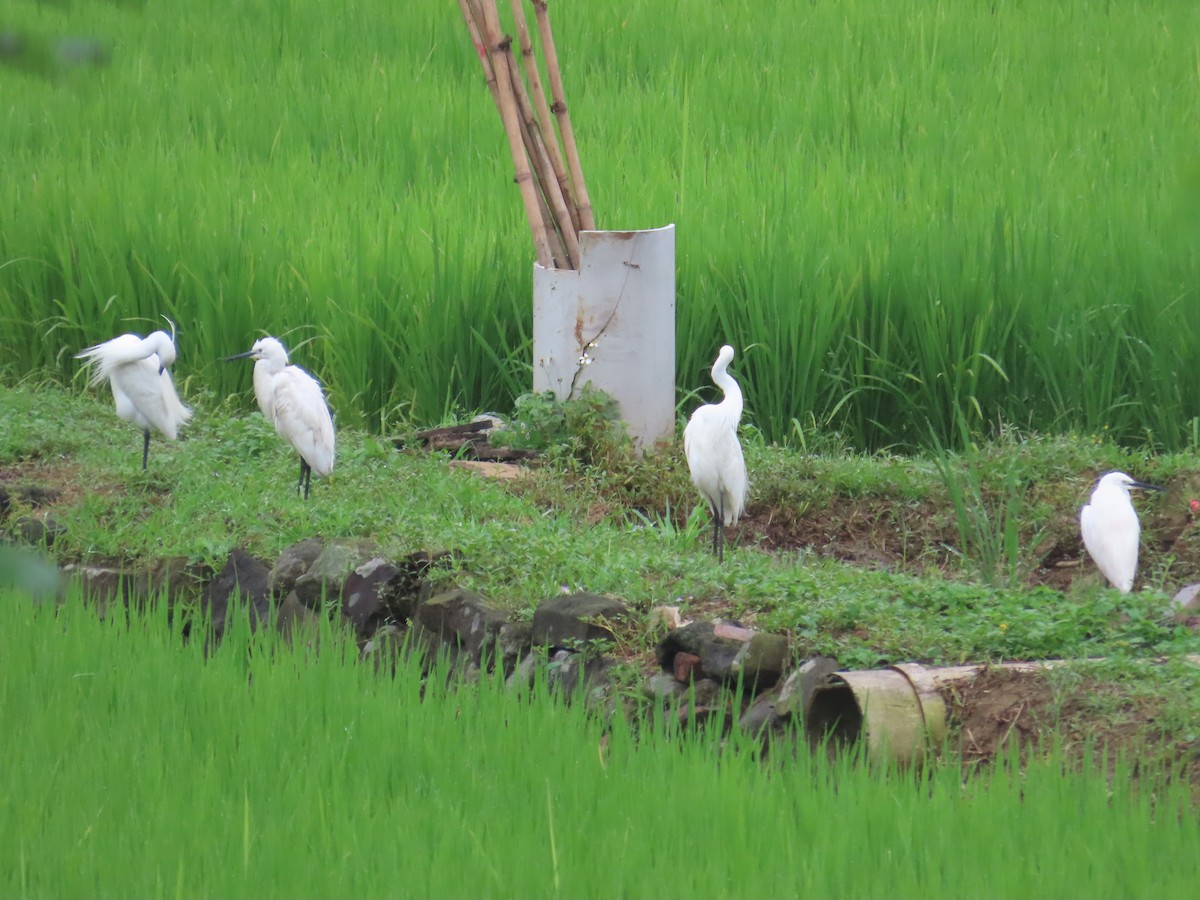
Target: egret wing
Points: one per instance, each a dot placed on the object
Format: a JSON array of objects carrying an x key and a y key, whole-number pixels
[
  {"x": 1111, "y": 538},
  {"x": 302, "y": 418}
]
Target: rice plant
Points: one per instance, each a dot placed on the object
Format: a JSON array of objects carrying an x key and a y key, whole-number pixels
[
  {"x": 904, "y": 212},
  {"x": 137, "y": 766}
]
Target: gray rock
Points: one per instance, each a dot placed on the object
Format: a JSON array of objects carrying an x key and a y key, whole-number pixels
[
  {"x": 102, "y": 586},
  {"x": 384, "y": 647},
  {"x": 571, "y": 672},
  {"x": 39, "y": 532},
  {"x": 381, "y": 590},
  {"x": 178, "y": 579},
  {"x": 514, "y": 643},
  {"x": 1186, "y": 600},
  {"x": 295, "y": 621},
  {"x": 462, "y": 621},
  {"x": 762, "y": 716},
  {"x": 574, "y": 618},
  {"x": 245, "y": 580},
  {"x": 323, "y": 581},
  {"x": 292, "y": 563},
  {"x": 524, "y": 672},
  {"x": 663, "y": 686},
  {"x": 362, "y": 600}
]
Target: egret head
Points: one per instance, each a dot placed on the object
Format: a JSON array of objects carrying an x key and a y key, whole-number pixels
[
  {"x": 1123, "y": 482},
  {"x": 264, "y": 348},
  {"x": 724, "y": 358},
  {"x": 164, "y": 347}
]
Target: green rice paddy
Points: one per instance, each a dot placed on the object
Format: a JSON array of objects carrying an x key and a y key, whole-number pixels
[
  {"x": 136, "y": 767},
  {"x": 916, "y": 220}
]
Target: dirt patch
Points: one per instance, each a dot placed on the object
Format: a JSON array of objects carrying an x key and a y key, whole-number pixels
[
  {"x": 1000, "y": 710},
  {"x": 55, "y": 483},
  {"x": 1004, "y": 711},
  {"x": 888, "y": 537}
]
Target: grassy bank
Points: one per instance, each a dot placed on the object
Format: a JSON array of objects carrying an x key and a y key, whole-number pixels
[{"x": 912, "y": 219}]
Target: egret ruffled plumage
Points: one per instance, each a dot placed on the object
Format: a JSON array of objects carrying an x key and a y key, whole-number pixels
[
  {"x": 1111, "y": 530},
  {"x": 136, "y": 370},
  {"x": 714, "y": 454},
  {"x": 293, "y": 401}
]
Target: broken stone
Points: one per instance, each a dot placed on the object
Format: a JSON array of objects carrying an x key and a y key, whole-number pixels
[
  {"x": 523, "y": 672},
  {"x": 514, "y": 642},
  {"x": 685, "y": 666},
  {"x": 666, "y": 615},
  {"x": 572, "y": 618},
  {"x": 462, "y": 620},
  {"x": 498, "y": 471},
  {"x": 362, "y": 600},
  {"x": 39, "y": 532},
  {"x": 1186, "y": 600},
  {"x": 322, "y": 582},
  {"x": 293, "y": 619},
  {"x": 569, "y": 672},
  {"x": 243, "y": 578},
  {"x": 292, "y": 563},
  {"x": 102, "y": 586},
  {"x": 663, "y": 686},
  {"x": 728, "y": 652},
  {"x": 381, "y": 590},
  {"x": 796, "y": 692},
  {"x": 761, "y": 717}
]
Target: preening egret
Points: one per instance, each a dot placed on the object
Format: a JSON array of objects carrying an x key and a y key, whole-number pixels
[
  {"x": 136, "y": 369},
  {"x": 714, "y": 455},
  {"x": 291, "y": 399},
  {"x": 1110, "y": 528}
]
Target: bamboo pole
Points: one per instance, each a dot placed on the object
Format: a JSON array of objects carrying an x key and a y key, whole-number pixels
[
  {"x": 543, "y": 170},
  {"x": 563, "y": 253},
  {"x": 496, "y": 44},
  {"x": 542, "y": 108},
  {"x": 579, "y": 188}
]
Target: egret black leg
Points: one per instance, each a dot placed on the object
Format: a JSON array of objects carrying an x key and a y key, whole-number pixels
[
  {"x": 145, "y": 448},
  {"x": 719, "y": 538},
  {"x": 305, "y": 478}
]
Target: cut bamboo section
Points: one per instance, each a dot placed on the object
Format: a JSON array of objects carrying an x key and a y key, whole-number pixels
[
  {"x": 539, "y": 157},
  {"x": 559, "y": 108},
  {"x": 542, "y": 109},
  {"x": 550, "y": 178},
  {"x": 497, "y": 45}
]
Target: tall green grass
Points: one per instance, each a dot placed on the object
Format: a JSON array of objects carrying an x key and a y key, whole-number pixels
[
  {"x": 134, "y": 766},
  {"x": 905, "y": 214}
]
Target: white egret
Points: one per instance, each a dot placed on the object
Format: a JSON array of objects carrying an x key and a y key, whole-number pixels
[
  {"x": 293, "y": 400},
  {"x": 714, "y": 455},
  {"x": 136, "y": 370},
  {"x": 1110, "y": 528}
]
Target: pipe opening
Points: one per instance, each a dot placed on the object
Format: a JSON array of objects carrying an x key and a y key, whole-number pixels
[{"x": 834, "y": 716}]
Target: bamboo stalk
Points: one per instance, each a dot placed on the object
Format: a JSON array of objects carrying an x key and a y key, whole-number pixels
[
  {"x": 579, "y": 188},
  {"x": 543, "y": 170},
  {"x": 542, "y": 108},
  {"x": 496, "y": 44}
]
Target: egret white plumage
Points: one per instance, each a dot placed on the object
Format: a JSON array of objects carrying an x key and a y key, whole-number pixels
[
  {"x": 1111, "y": 530},
  {"x": 136, "y": 370},
  {"x": 714, "y": 454},
  {"x": 293, "y": 401}
]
